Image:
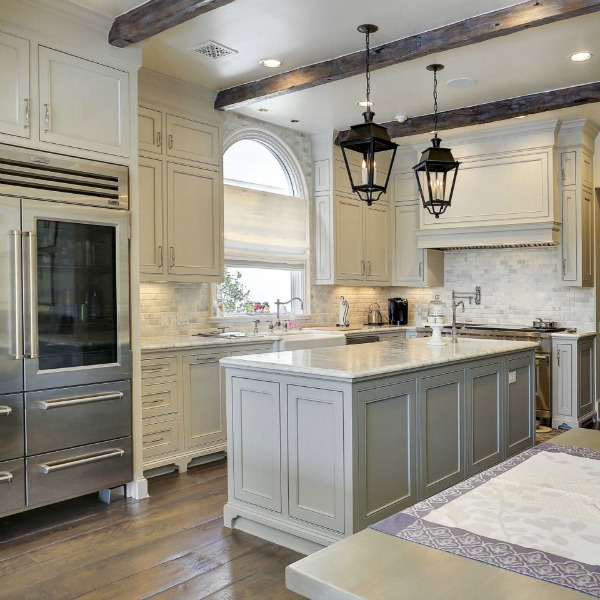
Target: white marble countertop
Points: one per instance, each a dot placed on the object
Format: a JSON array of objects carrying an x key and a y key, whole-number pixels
[
  {"x": 356, "y": 329},
  {"x": 367, "y": 360},
  {"x": 165, "y": 342}
]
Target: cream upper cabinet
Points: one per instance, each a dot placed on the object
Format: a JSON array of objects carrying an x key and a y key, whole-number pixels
[
  {"x": 15, "y": 100},
  {"x": 181, "y": 198},
  {"x": 413, "y": 266},
  {"x": 377, "y": 243},
  {"x": 82, "y": 104}
]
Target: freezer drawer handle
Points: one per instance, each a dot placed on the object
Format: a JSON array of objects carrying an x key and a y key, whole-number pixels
[
  {"x": 78, "y": 461},
  {"x": 5, "y": 477},
  {"x": 5, "y": 411},
  {"x": 66, "y": 402}
]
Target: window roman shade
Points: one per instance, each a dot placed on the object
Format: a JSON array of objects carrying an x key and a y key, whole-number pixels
[{"x": 264, "y": 227}]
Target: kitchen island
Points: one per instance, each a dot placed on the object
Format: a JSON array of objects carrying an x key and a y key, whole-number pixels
[{"x": 324, "y": 442}]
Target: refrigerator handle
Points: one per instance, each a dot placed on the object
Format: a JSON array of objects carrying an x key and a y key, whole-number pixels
[
  {"x": 32, "y": 328},
  {"x": 18, "y": 293}
]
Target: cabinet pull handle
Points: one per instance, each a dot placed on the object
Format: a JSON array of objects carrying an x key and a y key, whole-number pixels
[
  {"x": 26, "y": 113},
  {"x": 78, "y": 461},
  {"x": 151, "y": 401},
  {"x": 160, "y": 256},
  {"x": 33, "y": 297},
  {"x": 46, "y": 118},
  {"x": 420, "y": 269},
  {"x": 172, "y": 256},
  {"x": 170, "y": 141},
  {"x": 151, "y": 369},
  {"x": 160, "y": 439},
  {"x": 563, "y": 174},
  {"x": 369, "y": 263},
  {"x": 5, "y": 477},
  {"x": 66, "y": 402},
  {"x": 5, "y": 411},
  {"x": 564, "y": 266},
  {"x": 18, "y": 294},
  {"x": 158, "y": 139},
  {"x": 362, "y": 267},
  {"x": 206, "y": 359},
  {"x": 558, "y": 358}
]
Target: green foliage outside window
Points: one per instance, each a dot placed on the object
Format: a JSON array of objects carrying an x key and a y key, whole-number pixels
[{"x": 233, "y": 293}]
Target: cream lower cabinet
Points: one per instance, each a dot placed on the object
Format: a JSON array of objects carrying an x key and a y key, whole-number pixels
[
  {"x": 362, "y": 242},
  {"x": 183, "y": 404},
  {"x": 573, "y": 380}
]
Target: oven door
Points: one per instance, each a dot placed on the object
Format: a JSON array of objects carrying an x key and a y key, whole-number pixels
[
  {"x": 543, "y": 390},
  {"x": 76, "y": 294}
]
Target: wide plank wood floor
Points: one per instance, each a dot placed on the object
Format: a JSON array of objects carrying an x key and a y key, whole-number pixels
[{"x": 171, "y": 545}]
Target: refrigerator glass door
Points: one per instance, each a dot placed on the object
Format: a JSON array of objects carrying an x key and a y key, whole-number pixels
[
  {"x": 76, "y": 294},
  {"x": 11, "y": 297}
]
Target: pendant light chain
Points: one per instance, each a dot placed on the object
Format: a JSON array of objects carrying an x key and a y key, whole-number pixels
[
  {"x": 435, "y": 104},
  {"x": 368, "y": 76}
]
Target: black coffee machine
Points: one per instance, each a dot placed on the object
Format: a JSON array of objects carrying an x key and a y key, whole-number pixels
[{"x": 398, "y": 311}]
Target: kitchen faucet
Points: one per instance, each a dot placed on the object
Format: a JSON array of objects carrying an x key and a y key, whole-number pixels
[
  {"x": 279, "y": 303},
  {"x": 455, "y": 305}
]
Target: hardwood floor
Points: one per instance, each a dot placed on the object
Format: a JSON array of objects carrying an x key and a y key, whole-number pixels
[{"x": 171, "y": 545}]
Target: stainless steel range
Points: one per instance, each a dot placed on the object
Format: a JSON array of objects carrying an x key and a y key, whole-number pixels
[{"x": 540, "y": 334}]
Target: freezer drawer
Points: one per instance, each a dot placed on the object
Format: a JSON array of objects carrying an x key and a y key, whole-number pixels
[
  {"x": 12, "y": 486},
  {"x": 77, "y": 471},
  {"x": 11, "y": 427},
  {"x": 67, "y": 417}
]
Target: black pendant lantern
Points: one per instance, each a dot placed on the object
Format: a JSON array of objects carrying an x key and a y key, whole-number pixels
[
  {"x": 437, "y": 169},
  {"x": 368, "y": 139}
]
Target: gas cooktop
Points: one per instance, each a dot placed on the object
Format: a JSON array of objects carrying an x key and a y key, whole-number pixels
[{"x": 510, "y": 328}]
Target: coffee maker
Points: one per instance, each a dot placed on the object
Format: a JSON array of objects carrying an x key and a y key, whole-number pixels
[{"x": 398, "y": 311}]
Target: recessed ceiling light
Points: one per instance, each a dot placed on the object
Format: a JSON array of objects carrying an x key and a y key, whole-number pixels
[
  {"x": 462, "y": 83},
  {"x": 365, "y": 104},
  {"x": 401, "y": 118},
  {"x": 263, "y": 110},
  {"x": 270, "y": 63},
  {"x": 580, "y": 56}
]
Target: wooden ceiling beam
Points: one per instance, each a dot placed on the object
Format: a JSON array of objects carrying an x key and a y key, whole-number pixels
[
  {"x": 155, "y": 17},
  {"x": 493, "y": 111},
  {"x": 470, "y": 31}
]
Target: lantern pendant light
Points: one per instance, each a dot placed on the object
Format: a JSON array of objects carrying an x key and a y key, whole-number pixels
[
  {"x": 437, "y": 169},
  {"x": 368, "y": 139}
]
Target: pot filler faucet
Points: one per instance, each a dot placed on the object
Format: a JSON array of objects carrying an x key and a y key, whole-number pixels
[
  {"x": 455, "y": 305},
  {"x": 279, "y": 303}
]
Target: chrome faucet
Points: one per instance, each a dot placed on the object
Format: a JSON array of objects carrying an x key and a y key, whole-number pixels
[
  {"x": 455, "y": 305},
  {"x": 279, "y": 303}
]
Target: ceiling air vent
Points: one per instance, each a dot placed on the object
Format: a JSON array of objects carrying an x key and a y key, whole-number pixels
[{"x": 213, "y": 50}]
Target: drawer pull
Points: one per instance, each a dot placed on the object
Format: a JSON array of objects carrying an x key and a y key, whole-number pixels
[
  {"x": 151, "y": 401},
  {"x": 5, "y": 411},
  {"x": 66, "y": 402},
  {"x": 207, "y": 359},
  {"x": 160, "y": 439},
  {"x": 6, "y": 477},
  {"x": 153, "y": 369},
  {"x": 78, "y": 461}
]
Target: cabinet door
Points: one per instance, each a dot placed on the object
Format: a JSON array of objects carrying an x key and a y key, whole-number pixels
[
  {"x": 408, "y": 259},
  {"x": 256, "y": 418},
  {"x": 387, "y": 465},
  {"x": 342, "y": 181},
  {"x": 564, "y": 380},
  {"x": 569, "y": 235},
  {"x": 203, "y": 402},
  {"x": 316, "y": 456},
  {"x": 83, "y": 104},
  {"x": 152, "y": 246},
  {"x": 585, "y": 377},
  {"x": 520, "y": 405},
  {"x": 441, "y": 426},
  {"x": 324, "y": 231},
  {"x": 377, "y": 243},
  {"x": 150, "y": 135},
  {"x": 485, "y": 417},
  {"x": 192, "y": 140},
  {"x": 568, "y": 166},
  {"x": 14, "y": 86},
  {"x": 587, "y": 239},
  {"x": 195, "y": 222},
  {"x": 349, "y": 240}
]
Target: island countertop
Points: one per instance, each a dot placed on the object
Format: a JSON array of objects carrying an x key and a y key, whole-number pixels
[{"x": 367, "y": 360}]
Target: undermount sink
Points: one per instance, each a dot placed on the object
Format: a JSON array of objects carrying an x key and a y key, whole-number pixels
[{"x": 301, "y": 340}]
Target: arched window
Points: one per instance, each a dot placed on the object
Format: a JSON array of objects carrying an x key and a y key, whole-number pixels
[{"x": 265, "y": 226}]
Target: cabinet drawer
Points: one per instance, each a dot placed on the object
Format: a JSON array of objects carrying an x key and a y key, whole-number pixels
[
  {"x": 77, "y": 471},
  {"x": 76, "y": 416},
  {"x": 160, "y": 366},
  {"x": 12, "y": 486},
  {"x": 160, "y": 438},
  {"x": 11, "y": 427},
  {"x": 160, "y": 399},
  {"x": 254, "y": 349}
]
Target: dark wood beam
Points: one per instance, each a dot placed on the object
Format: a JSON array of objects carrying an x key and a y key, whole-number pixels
[
  {"x": 471, "y": 31},
  {"x": 493, "y": 111},
  {"x": 156, "y": 16}
]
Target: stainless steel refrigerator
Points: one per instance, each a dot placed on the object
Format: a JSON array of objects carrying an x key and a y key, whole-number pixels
[{"x": 65, "y": 356}]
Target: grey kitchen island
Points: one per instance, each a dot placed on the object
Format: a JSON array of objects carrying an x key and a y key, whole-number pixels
[{"x": 324, "y": 442}]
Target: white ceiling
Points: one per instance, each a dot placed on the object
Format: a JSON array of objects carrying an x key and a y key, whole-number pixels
[{"x": 301, "y": 33}]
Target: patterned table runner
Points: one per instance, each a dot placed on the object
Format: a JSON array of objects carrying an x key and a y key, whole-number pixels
[{"x": 537, "y": 514}]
